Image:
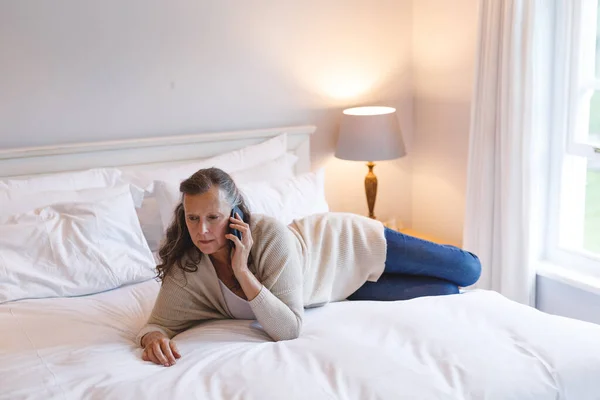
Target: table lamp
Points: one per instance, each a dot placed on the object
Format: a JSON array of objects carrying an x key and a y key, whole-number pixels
[{"x": 370, "y": 134}]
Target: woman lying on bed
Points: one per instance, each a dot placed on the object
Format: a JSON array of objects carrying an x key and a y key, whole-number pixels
[{"x": 274, "y": 271}]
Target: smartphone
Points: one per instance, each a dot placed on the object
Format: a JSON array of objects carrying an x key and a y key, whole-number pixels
[{"x": 235, "y": 232}]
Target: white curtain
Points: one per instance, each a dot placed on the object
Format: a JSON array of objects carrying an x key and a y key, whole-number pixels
[{"x": 506, "y": 173}]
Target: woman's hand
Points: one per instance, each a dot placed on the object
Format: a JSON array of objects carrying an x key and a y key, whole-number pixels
[
  {"x": 159, "y": 349},
  {"x": 239, "y": 259}
]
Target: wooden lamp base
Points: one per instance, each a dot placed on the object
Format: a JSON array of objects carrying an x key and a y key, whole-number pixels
[{"x": 371, "y": 189}]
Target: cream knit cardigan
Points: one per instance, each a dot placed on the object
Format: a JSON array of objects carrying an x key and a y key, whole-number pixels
[{"x": 313, "y": 261}]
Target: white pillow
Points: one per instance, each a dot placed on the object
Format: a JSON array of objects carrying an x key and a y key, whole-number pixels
[
  {"x": 279, "y": 168},
  {"x": 150, "y": 222},
  {"x": 288, "y": 199},
  {"x": 23, "y": 199},
  {"x": 237, "y": 160},
  {"x": 75, "y": 180},
  {"x": 284, "y": 199},
  {"x": 73, "y": 247}
]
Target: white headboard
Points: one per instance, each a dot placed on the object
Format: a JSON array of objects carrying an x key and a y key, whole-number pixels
[{"x": 118, "y": 153}]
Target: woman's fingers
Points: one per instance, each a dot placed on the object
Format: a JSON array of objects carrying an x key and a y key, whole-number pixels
[
  {"x": 174, "y": 349},
  {"x": 238, "y": 220},
  {"x": 150, "y": 355},
  {"x": 235, "y": 239},
  {"x": 159, "y": 349},
  {"x": 166, "y": 350},
  {"x": 244, "y": 228},
  {"x": 240, "y": 227},
  {"x": 159, "y": 354}
]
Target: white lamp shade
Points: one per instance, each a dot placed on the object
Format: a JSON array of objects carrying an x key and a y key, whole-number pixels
[{"x": 370, "y": 134}]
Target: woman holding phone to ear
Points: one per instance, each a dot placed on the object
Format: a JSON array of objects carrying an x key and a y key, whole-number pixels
[{"x": 273, "y": 271}]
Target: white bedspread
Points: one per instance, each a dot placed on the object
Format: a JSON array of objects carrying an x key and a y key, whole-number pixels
[{"x": 471, "y": 346}]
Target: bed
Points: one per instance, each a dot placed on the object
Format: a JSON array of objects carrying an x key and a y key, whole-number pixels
[{"x": 475, "y": 345}]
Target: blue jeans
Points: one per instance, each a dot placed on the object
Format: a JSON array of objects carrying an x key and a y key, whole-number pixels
[{"x": 416, "y": 267}]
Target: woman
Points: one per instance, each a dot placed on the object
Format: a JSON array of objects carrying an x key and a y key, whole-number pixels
[{"x": 274, "y": 271}]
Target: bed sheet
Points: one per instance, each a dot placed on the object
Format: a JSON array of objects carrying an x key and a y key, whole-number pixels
[{"x": 474, "y": 345}]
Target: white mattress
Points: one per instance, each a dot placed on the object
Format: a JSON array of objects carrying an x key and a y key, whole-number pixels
[{"x": 470, "y": 346}]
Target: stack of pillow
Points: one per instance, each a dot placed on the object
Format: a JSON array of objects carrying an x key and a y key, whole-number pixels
[{"x": 84, "y": 232}]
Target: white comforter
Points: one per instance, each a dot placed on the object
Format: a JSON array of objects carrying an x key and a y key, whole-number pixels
[{"x": 471, "y": 346}]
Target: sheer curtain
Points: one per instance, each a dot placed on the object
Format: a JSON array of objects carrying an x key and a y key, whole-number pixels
[{"x": 507, "y": 172}]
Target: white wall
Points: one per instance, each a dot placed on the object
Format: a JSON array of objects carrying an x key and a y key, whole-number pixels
[
  {"x": 444, "y": 42},
  {"x": 83, "y": 71},
  {"x": 562, "y": 299}
]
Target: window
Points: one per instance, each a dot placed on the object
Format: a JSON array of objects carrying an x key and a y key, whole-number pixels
[
  {"x": 574, "y": 213},
  {"x": 591, "y": 135}
]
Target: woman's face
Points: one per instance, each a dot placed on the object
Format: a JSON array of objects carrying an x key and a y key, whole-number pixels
[{"x": 207, "y": 219}]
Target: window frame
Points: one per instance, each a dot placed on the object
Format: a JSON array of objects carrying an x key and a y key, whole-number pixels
[
  {"x": 570, "y": 151},
  {"x": 583, "y": 81}
]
